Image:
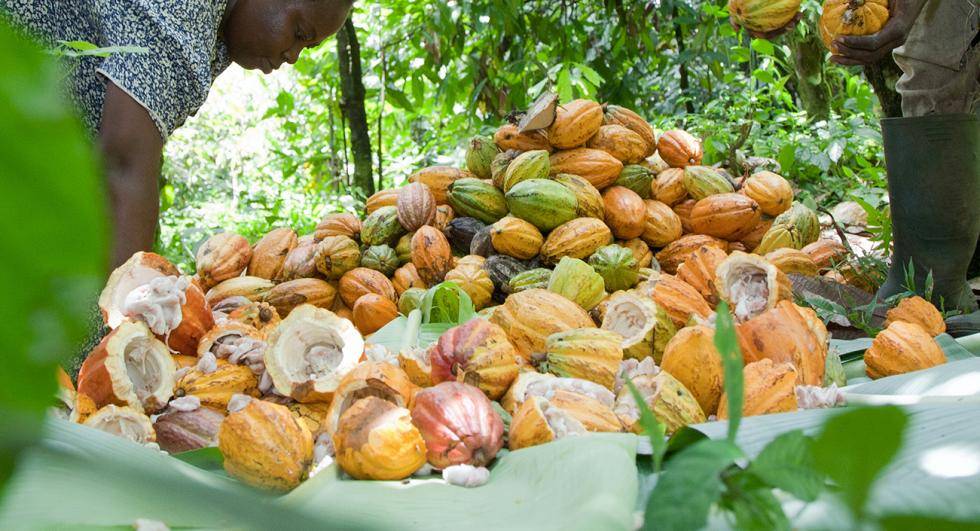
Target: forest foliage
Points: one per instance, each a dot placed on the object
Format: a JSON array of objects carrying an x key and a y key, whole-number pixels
[{"x": 435, "y": 73}]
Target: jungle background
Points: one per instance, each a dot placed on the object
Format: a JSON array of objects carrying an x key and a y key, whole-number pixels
[{"x": 406, "y": 84}]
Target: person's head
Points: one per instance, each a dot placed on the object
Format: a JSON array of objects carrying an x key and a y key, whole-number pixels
[{"x": 264, "y": 34}]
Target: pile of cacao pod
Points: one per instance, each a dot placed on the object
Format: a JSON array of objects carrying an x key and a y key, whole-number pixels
[{"x": 596, "y": 252}]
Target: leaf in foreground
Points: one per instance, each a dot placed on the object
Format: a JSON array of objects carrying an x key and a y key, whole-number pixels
[
  {"x": 731, "y": 357},
  {"x": 787, "y": 463}
]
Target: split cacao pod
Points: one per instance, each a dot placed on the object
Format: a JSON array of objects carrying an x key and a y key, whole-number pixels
[
  {"x": 530, "y": 316},
  {"x": 769, "y": 388}
]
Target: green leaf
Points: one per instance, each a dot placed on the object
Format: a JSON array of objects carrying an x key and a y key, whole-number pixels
[
  {"x": 203, "y": 458},
  {"x": 731, "y": 357},
  {"x": 787, "y": 463},
  {"x": 653, "y": 428},
  {"x": 855, "y": 446},
  {"x": 53, "y": 193},
  {"x": 564, "y": 86},
  {"x": 763, "y": 47},
  {"x": 447, "y": 303},
  {"x": 757, "y": 509},
  {"x": 682, "y": 439},
  {"x": 689, "y": 486},
  {"x": 909, "y": 522}
]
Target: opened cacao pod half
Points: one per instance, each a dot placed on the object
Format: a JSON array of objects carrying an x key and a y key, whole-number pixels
[
  {"x": 679, "y": 149},
  {"x": 477, "y": 352},
  {"x": 222, "y": 256},
  {"x": 265, "y": 446},
  {"x": 692, "y": 358},
  {"x": 620, "y": 142},
  {"x": 575, "y": 122},
  {"x": 121, "y": 421},
  {"x": 902, "y": 347},
  {"x": 787, "y": 334},
  {"x": 594, "y": 165},
  {"x": 214, "y": 389},
  {"x": 361, "y": 281},
  {"x": 540, "y": 420},
  {"x": 578, "y": 238},
  {"x": 769, "y": 388},
  {"x": 530, "y": 316},
  {"x": 671, "y": 403},
  {"x": 918, "y": 311},
  {"x": 270, "y": 253},
  {"x": 751, "y": 285},
  {"x": 309, "y": 353},
  {"x": 129, "y": 367},
  {"x": 139, "y": 270},
  {"x": 645, "y": 328},
  {"x": 369, "y": 378}
]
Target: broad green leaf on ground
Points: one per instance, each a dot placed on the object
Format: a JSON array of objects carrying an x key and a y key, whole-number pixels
[
  {"x": 731, "y": 357},
  {"x": 689, "y": 485},
  {"x": 787, "y": 463},
  {"x": 652, "y": 428},
  {"x": 53, "y": 214},
  {"x": 855, "y": 446},
  {"x": 204, "y": 458}
]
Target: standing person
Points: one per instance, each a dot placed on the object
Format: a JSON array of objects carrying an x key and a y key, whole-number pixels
[
  {"x": 132, "y": 102},
  {"x": 932, "y": 152}
]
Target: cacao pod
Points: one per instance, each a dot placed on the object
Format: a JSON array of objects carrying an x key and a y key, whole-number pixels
[
  {"x": 851, "y": 17},
  {"x": 596, "y": 166},
  {"x": 751, "y": 285},
  {"x": 516, "y": 237},
  {"x": 431, "y": 255},
  {"x": 375, "y": 439},
  {"x": 416, "y": 206},
  {"x": 588, "y": 353},
  {"x": 575, "y": 122},
  {"x": 530, "y": 279},
  {"x": 301, "y": 261},
  {"x": 361, "y": 281},
  {"x": 769, "y": 388},
  {"x": 637, "y": 178},
  {"x": 338, "y": 225},
  {"x": 288, "y": 295},
  {"x": 501, "y": 268},
  {"x": 578, "y": 282},
  {"x": 641, "y": 252},
  {"x": 460, "y": 233},
  {"x": 661, "y": 225},
  {"x": 544, "y": 203},
  {"x": 252, "y": 288},
  {"x": 902, "y": 347},
  {"x": 528, "y": 165},
  {"x": 771, "y": 191},
  {"x": 692, "y": 358},
  {"x": 215, "y": 389},
  {"x": 403, "y": 249},
  {"x": 787, "y": 334},
  {"x": 763, "y": 16},
  {"x": 578, "y": 238},
  {"x": 826, "y": 253},
  {"x": 727, "y": 216},
  {"x": 671, "y": 403},
  {"x": 645, "y": 328},
  {"x": 482, "y": 244},
  {"x": 704, "y": 181},
  {"x": 614, "y": 114},
  {"x": 792, "y": 261},
  {"x": 265, "y": 446},
  {"x": 530, "y": 316},
  {"x": 336, "y": 255},
  {"x": 444, "y": 214},
  {"x": 381, "y": 198},
  {"x": 509, "y": 137},
  {"x": 410, "y": 299},
  {"x": 407, "y": 277},
  {"x": 679, "y": 299},
  {"x": 679, "y": 149},
  {"x": 477, "y": 199},
  {"x": 620, "y": 142},
  {"x": 381, "y": 227},
  {"x": 498, "y": 168},
  {"x": 222, "y": 256},
  {"x": 372, "y": 311},
  {"x": 677, "y": 252},
  {"x": 751, "y": 240},
  {"x": 475, "y": 281},
  {"x": 380, "y": 258},
  {"x": 625, "y": 212},
  {"x": 668, "y": 188},
  {"x": 270, "y": 252},
  {"x": 459, "y": 425},
  {"x": 477, "y": 353},
  {"x": 479, "y": 156},
  {"x": 683, "y": 211},
  {"x": 617, "y": 266}
]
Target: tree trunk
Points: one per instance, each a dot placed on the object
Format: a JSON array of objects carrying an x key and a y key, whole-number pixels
[
  {"x": 883, "y": 75},
  {"x": 684, "y": 83},
  {"x": 811, "y": 85},
  {"x": 352, "y": 105}
]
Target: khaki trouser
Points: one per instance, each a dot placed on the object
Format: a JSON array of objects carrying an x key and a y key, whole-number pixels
[{"x": 941, "y": 60}]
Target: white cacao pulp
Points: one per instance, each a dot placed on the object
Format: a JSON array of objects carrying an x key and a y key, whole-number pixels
[{"x": 157, "y": 303}]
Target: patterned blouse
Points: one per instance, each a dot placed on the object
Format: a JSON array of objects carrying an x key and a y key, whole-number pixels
[{"x": 171, "y": 81}]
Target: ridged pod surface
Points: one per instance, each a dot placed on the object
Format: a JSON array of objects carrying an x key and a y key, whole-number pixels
[
  {"x": 530, "y": 316},
  {"x": 700, "y": 271},
  {"x": 431, "y": 255},
  {"x": 575, "y": 122},
  {"x": 918, "y": 311},
  {"x": 620, "y": 142},
  {"x": 594, "y": 165},
  {"x": 727, "y": 216},
  {"x": 851, "y": 17},
  {"x": 416, "y": 206},
  {"x": 477, "y": 199},
  {"x": 763, "y": 15},
  {"x": 679, "y": 299},
  {"x": 668, "y": 187},
  {"x": 692, "y": 358},
  {"x": 265, "y": 446},
  {"x": 615, "y": 114},
  {"x": 515, "y": 237},
  {"x": 792, "y": 261},
  {"x": 676, "y": 253},
  {"x": 787, "y": 334},
  {"x": 592, "y": 354},
  {"x": 542, "y": 202},
  {"x": 475, "y": 281},
  {"x": 625, "y": 212},
  {"x": 509, "y": 137},
  {"x": 438, "y": 179},
  {"x": 704, "y": 181},
  {"x": 578, "y": 282},
  {"x": 578, "y": 238},
  {"x": 381, "y": 198},
  {"x": 679, "y": 149},
  {"x": 478, "y": 353},
  {"x": 360, "y": 281},
  {"x": 589, "y": 202},
  {"x": 769, "y": 388},
  {"x": 661, "y": 225},
  {"x": 771, "y": 191}
]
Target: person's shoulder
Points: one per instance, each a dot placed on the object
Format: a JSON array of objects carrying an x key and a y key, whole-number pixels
[{"x": 184, "y": 20}]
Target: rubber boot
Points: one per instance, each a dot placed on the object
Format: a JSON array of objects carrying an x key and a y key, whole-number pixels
[{"x": 934, "y": 189}]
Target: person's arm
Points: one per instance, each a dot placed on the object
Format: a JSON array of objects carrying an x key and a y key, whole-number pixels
[
  {"x": 132, "y": 149},
  {"x": 870, "y": 49}
]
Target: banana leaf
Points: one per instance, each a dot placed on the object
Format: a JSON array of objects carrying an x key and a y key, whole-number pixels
[
  {"x": 852, "y": 353},
  {"x": 80, "y": 477}
]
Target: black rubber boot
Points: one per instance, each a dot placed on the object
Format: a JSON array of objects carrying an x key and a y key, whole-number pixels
[{"x": 934, "y": 189}]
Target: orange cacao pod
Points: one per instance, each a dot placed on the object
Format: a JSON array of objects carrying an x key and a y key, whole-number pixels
[
  {"x": 508, "y": 137},
  {"x": 338, "y": 225},
  {"x": 771, "y": 191},
  {"x": 725, "y": 216},
  {"x": 431, "y": 254},
  {"x": 918, "y": 311},
  {"x": 614, "y": 114},
  {"x": 679, "y": 149},
  {"x": 661, "y": 225},
  {"x": 594, "y": 165},
  {"x": 361, "y": 281},
  {"x": 769, "y": 388},
  {"x": 381, "y": 198},
  {"x": 679, "y": 299},
  {"x": 668, "y": 187},
  {"x": 288, "y": 295},
  {"x": 372, "y": 311},
  {"x": 438, "y": 179},
  {"x": 222, "y": 256},
  {"x": 625, "y": 212},
  {"x": 902, "y": 347},
  {"x": 676, "y": 253},
  {"x": 575, "y": 122},
  {"x": 787, "y": 334},
  {"x": 270, "y": 252},
  {"x": 620, "y": 142}
]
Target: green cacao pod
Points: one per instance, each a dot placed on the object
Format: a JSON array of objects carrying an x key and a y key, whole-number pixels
[
  {"x": 578, "y": 282},
  {"x": 479, "y": 156},
  {"x": 382, "y": 227},
  {"x": 460, "y": 233},
  {"x": 617, "y": 266},
  {"x": 380, "y": 258},
  {"x": 500, "y": 164},
  {"x": 589, "y": 199},
  {"x": 544, "y": 203},
  {"x": 530, "y": 279},
  {"x": 763, "y": 15},
  {"x": 516, "y": 237},
  {"x": 410, "y": 299},
  {"x": 528, "y": 165},
  {"x": 404, "y": 248},
  {"x": 477, "y": 199},
  {"x": 779, "y": 237},
  {"x": 636, "y": 178},
  {"x": 336, "y": 255},
  {"x": 702, "y": 181},
  {"x": 578, "y": 238},
  {"x": 591, "y": 354}
]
